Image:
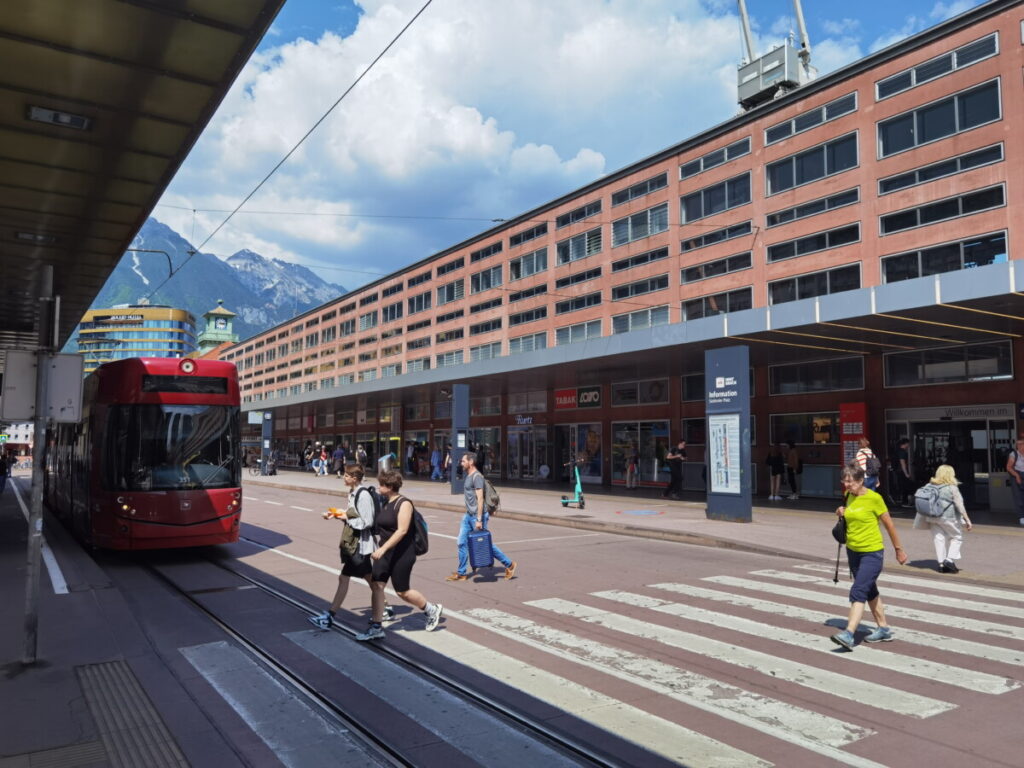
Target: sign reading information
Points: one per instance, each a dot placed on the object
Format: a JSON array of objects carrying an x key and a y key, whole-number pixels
[{"x": 727, "y": 403}]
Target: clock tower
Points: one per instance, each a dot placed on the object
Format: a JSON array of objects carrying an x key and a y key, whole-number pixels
[{"x": 218, "y": 329}]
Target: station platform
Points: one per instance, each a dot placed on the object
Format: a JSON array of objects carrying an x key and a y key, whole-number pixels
[{"x": 102, "y": 692}]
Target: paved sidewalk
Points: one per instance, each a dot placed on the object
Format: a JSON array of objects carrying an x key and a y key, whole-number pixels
[{"x": 993, "y": 551}]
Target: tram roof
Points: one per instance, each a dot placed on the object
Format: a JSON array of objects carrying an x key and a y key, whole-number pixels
[{"x": 100, "y": 103}]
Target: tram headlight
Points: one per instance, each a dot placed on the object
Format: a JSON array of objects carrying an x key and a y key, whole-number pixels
[{"x": 187, "y": 366}]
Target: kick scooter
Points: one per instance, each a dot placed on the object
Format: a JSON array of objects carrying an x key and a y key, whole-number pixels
[{"x": 578, "y": 498}]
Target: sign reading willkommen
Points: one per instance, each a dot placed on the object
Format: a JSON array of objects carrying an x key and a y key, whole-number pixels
[{"x": 727, "y": 406}]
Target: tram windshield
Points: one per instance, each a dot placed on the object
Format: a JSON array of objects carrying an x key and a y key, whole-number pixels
[{"x": 171, "y": 447}]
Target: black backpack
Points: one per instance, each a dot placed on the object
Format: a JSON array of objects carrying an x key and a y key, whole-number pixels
[
  {"x": 492, "y": 501},
  {"x": 420, "y": 530},
  {"x": 378, "y": 502},
  {"x": 872, "y": 466}
]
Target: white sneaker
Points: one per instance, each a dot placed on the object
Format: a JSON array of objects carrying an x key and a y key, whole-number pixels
[
  {"x": 793, "y": 497},
  {"x": 321, "y": 621},
  {"x": 389, "y": 614},
  {"x": 434, "y": 617}
]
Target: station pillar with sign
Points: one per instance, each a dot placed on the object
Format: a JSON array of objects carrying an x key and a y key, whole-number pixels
[
  {"x": 727, "y": 403},
  {"x": 460, "y": 433}
]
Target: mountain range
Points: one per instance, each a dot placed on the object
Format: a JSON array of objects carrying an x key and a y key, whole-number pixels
[{"x": 261, "y": 291}]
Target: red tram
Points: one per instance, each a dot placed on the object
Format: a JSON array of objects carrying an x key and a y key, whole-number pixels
[{"x": 155, "y": 461}]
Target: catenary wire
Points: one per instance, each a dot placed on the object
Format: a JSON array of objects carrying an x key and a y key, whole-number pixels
[{"x": 298, "y": 144}]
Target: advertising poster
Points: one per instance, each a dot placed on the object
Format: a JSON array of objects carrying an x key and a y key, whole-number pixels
[{"x": 724, "y": 453}]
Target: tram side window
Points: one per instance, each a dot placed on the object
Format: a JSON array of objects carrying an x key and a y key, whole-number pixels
[{"x": 171, "y": 447}]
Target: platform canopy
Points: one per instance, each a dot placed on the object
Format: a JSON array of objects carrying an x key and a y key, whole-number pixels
[{"x": 100, "y": 103}]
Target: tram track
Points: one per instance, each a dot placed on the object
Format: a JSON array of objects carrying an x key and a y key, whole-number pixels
[{"x": 371, "y": 734}]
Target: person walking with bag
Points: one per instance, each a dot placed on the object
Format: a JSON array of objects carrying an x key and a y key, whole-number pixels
[
  {"x": 1015, "y": 468},
  {"x": 868, "y": 462},
  {"x": 865, "y": 514},
  {"x": 356, "y": 544},
  {"x": 394, "y": 559},
  {"x": 947, "y": 534},
  {"x": 475, "y": 519},
  {"x": 633, "y": 468}
]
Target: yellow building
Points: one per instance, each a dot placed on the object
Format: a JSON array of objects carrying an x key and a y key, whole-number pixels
[{"x": 135, "y": 330}]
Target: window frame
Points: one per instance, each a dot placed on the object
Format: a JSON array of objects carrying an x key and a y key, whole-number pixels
[
  {"x": 912, "y": 71},
  {"x": 823, "y": 110},
  {"x": 960, "y": 215}
]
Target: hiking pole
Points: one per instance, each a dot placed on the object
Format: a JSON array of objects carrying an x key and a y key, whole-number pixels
[{"x": 835, "y": 576}]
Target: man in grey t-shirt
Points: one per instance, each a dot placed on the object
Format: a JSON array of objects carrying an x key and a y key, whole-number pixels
[{"x": 475, "y": 519}]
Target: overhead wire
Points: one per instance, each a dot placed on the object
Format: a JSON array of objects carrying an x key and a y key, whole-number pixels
[{"x": 298, "y": 144}]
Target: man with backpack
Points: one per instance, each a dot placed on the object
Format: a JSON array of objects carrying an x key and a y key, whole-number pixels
[
  {"x": 870, "y": 463},
  {"x": 475, "y": 519}
]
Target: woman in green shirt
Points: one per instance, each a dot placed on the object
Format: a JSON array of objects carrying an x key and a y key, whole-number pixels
[{"x": 865, "y": 514}]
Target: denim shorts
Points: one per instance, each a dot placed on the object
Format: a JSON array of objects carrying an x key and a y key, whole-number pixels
[{"x": 866, "y": 568}]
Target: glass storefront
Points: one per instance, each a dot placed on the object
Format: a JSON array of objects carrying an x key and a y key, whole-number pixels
[
  {"x": 578, "y": 442},
  {"x": 486, "y": 442},
  {"x": 528, "y": 453},
  {"x": 419, "y": 463},
  {"x": 369, "y": 442},
  {"x": 650, "y": 439}
]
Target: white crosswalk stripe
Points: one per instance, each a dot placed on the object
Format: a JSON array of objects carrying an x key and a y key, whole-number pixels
[
  {"x": 839, "y": 602},
  {"x": 949, "y": 644},
  {"x": 813, "y": 731},
  {"x": 929, "y": 670},
  {"x": 902, "y": 594},
  {"x": 854, "y": 689},
  {"x": 946, "y": 586},
  {"x": 663, "y": 737}
]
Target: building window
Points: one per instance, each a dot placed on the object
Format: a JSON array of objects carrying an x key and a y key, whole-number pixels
[
  {"x": 640, "y": 259},
  {"x": 365, "y": 357},
  {"x": 815, "y": 284},
  {"x": 417, "y": 365},
  {"x": 818, "y": 162},
  {"x": 652, "y": 184},
  {"x": 579, "y": 277},
  {"x": 345, "y": 328},
  {"x": 487, "y": 252},
  {"x": 419, "y": 303},
  {"x": 529, "y": 293},
  {"x": 718, "y": 304},
  {"x": 447, "y": 316},
  {"x": 485, "y": 305},
  {"x": 578, "y": 247},
  {"x": 368, "y": 375},
  {"x": 368, "y": 299},
  {"x": 949, "y": 257},
  {"x": 577, "y": 303},
  {"x": 819, "y": 241},
  {"x": 484, "y": 281},
  {"x": 367, "y": 321},
  {"x": 804, "y": 428},
  {"x": 953, "y": 165},
  {"x": 451, "y": 292},
  {"x": 485, "y": 327},
  {"x": 451, "y": 266},
  {"x": 418, "y": 324},
  {"x": 528, "y": 264},
  {"x": 570, "y": 334},
  {"x": 485, "y": 352},
  {"x": 943, "y": 210},
  {"x": 528, "y": 316},
  {"x": 640, "y": 319},
  {"x": 812, "y": 118},
  {"x": 693, "y": 387},
  {"x": 392, "y": 312},
  {"x": 386, "y": 371},
  {"x": 418, "y": 343},
  {"x": 715, "y": 268},
  {"x": 813, "y": 208},
  {"x": 650, "y": 392},
  {"x": 584, "y": 212},
  {"x": 640, "y": 287},
  {"x": 937, "y": 67},
  {"x": 940, "y": 119},
  {"x": 452, "y": 335},
  {"x": 947, "y": 365},
  {"x": 449, "y": 359},
  {"x": 528, "y": 343},
  {"x": 723, "y": 196},
  {"x": 817, "y": 376},
  {"x": 714, "y": 159},
  {"x": 718, "y": 236},
  {"x": 417, "y": 279},
  {"x": 346, "y": 378},
  {"x": 528, "y": 234},
  {"x": 640, "y": 225},
  {"x": 528, "y": 402},
  {"x": 391, "y": 290}
]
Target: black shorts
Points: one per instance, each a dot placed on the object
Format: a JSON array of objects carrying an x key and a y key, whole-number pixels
[
  {"x": 359, "y": 569},
  {"x": 396, "y": 565}
]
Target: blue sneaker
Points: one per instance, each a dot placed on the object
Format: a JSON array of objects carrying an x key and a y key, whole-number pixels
[
  {"x": 844, "y": 638},
  {"x": 375, "y": 632},
  {"x": 880, "y": 635}
]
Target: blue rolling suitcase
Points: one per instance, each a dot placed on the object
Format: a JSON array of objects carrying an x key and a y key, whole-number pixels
[{"x": 480, "y": 549}]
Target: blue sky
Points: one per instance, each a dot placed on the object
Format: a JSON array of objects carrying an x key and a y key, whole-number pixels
[{"x": 483, "y": 110}]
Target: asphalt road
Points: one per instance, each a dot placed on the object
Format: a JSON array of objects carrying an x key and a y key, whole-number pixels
[{"x": 704, "y": 656}]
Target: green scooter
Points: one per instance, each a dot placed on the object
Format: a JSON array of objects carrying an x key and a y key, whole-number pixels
[{"x": 578, "y": 498}]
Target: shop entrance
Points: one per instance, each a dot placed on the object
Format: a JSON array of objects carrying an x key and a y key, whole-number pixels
[
  {"x": 974, "y": 447},
  {"x": 528, "y": 453}
]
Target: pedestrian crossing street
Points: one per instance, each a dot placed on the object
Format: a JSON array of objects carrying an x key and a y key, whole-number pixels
[{"x": 945, "y": 640}]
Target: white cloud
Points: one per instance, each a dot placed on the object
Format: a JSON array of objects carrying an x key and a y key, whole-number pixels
[{"x": 943, "y": 11}]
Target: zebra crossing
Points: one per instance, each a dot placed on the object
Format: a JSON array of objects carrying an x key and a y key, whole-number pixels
[{"x": 681, "y": 617}]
